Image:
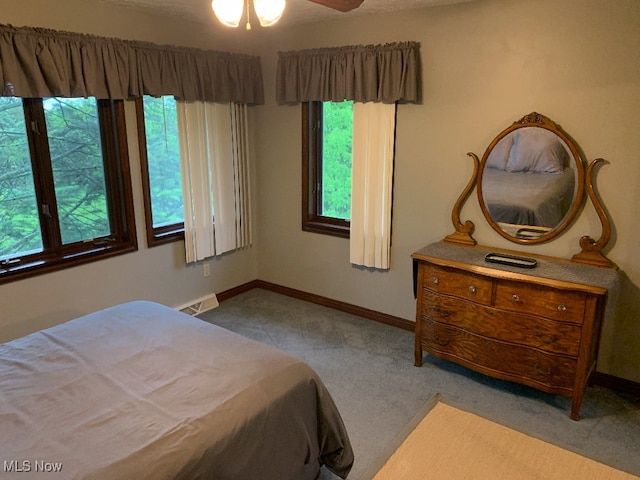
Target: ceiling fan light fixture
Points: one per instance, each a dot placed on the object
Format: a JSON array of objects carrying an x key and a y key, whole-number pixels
[
  {"x": 269, "y": 11},
  {"x": 229, "y": 12}
]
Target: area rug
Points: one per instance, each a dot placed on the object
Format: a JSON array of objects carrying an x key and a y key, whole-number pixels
[{"x": 452, "y": 444}]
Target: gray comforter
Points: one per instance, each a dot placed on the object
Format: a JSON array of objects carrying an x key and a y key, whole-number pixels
[
  {"x": 139, "y": 391},
  {"x": 536, "y": 199}
]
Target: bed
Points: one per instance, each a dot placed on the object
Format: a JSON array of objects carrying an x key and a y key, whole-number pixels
[
  {"x": 140, "y": 391},
  {"x": 528, "y": 179}
]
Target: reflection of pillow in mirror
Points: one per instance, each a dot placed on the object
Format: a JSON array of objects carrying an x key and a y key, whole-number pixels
[
  {"x": 537, "y": 150},
  {"x": 500, "y": 154}
]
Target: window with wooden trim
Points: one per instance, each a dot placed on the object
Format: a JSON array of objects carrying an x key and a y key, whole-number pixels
[
  {"x": 160, "y": 164},
  {"x": 327, "y": 129},
  {"x": 65, "y": 184}
]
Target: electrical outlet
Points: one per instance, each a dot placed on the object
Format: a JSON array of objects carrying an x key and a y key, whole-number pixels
[{"x": 206, "y": 271}]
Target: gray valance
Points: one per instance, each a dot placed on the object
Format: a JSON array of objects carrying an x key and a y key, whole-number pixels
[
  {"x": 366, "y": 73},
  {"x": 38, "y": 62}
]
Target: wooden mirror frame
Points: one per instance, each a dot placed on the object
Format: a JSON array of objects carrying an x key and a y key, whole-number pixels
[
  {"x": 538, "y": 121},
  {"x": 591, "y": 253}
]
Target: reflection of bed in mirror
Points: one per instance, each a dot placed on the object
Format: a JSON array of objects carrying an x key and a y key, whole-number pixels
[
  {"x": 536, "y": 199},
  {"x": 529, "y": 181}
]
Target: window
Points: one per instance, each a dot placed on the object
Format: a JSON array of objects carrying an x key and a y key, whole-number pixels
[
  {"x": 65, "y": 190},
  {"x": 161, "y": 175},
  {"x": 326, "y": 167}
]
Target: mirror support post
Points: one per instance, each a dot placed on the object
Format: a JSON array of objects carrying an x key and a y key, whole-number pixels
[
  {"x": 591, "y": 253},
  {"x": 462, "y": 235}
]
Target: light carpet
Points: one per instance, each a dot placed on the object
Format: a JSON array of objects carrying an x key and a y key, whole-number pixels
[{"x": 452, "y": 444}]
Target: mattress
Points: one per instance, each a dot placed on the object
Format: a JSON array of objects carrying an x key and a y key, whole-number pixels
[{"x": 140, "y": 391}]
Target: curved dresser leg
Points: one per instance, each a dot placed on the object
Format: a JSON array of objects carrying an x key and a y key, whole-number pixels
[
  {"x": 576, "y": 402},
  {"x": 418, "y": 353}
]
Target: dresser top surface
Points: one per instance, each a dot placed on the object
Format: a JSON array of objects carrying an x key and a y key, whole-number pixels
[{"x": 472, "y": 258}]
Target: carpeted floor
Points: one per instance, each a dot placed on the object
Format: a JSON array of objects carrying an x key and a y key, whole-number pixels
[{"x": 368, "y": 368}]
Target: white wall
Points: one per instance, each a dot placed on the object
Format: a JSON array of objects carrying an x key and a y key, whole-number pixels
[{"x": 485, "y": 65}]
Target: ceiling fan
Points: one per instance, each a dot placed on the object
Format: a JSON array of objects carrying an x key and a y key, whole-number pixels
[
  {"x": 341, "y": 5},
  {"x": 230, "y": 12}
]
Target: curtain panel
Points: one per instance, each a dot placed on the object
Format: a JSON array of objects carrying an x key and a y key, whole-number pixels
[
  {"x": 37, "y": 62},
  {"x": 214, "y": 157},
  {"x": 366, "y": 73},
  {"x": 372, "y": 184}
]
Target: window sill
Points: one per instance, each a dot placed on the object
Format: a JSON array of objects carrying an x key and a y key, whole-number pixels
[
  {"x": 162, "y": 237},
  {"x": 327, "y": 226},
  {"x": 47, "y": 264}
]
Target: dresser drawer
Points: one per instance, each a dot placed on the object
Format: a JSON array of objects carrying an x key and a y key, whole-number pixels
[
  {"x": 540, "y": 300},
  {"x": 527, "y": 330},
  {"x": 457, "y": 282},
  {"x": 552, "y": 373}
]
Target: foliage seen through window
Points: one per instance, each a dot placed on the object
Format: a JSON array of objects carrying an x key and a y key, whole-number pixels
[
  {"x": 65, "y": 194},
  {"x": 161, "y": 170},
  {"x": 326, "y": 167}
]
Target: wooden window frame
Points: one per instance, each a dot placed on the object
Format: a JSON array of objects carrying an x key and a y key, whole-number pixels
[
  {"x": 155, "y": 235},
  {"x": 312, "y": 156},
  {"x": 122, "y": 239}
]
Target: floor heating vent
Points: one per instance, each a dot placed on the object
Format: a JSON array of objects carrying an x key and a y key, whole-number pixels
[{"x": 199, "y": 306}]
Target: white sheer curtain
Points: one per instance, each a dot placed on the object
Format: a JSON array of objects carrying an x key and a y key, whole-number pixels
[
  {"x": 372, "y": 184},
  {"x": 215, "y": 177}
]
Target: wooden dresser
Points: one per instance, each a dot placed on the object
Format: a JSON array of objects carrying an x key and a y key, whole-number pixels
[{"x": 539, "y": 327}]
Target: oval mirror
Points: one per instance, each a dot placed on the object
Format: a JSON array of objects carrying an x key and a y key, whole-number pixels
[{"x": 531, "y": 181}]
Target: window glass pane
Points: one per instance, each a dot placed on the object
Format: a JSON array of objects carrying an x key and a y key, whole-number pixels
[
  {"x": 19, "y": 220},
  {"x": 78, "y": 172},
  {"x": 163, "y": 156},
  {"x": 337, "y": 134}
]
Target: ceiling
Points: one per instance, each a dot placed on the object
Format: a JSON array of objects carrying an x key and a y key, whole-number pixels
[{"x": 296, "y": 11}]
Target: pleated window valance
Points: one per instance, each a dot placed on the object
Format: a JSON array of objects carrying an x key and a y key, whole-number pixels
[
  {"x": 366, "y": 73},
  {"x": 38, "y": 63}
]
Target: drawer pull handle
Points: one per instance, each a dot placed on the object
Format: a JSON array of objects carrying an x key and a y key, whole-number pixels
[
  {"x": 442, "y": 341},
  {"x": 435, "y": 280},
  {"x": 472, "y": 289},
  {"x": 546, "y": 338},
  {"x": 515, "y": 298},
  {"x": 544, "y": 370},
  {"x": 562, "y": 307}
]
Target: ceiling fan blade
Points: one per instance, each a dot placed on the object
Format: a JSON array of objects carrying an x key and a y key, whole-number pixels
[{"x": 342, "y": 5}]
